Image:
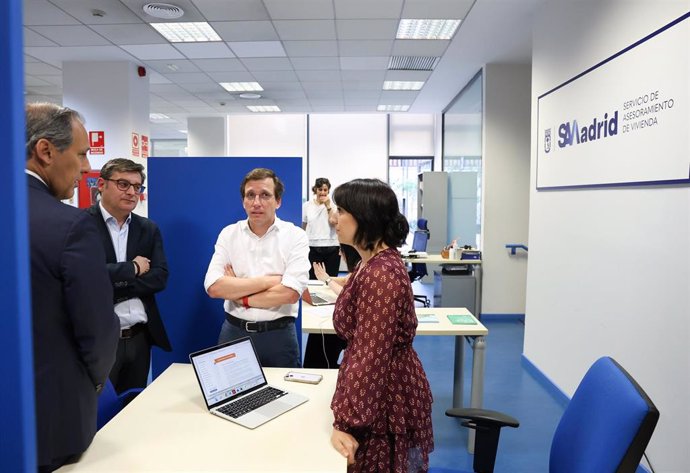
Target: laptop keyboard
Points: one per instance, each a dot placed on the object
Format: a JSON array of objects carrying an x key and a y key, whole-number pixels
[
  {"x": 320, "y": 300},
  {"x": 251, "y": 402}
]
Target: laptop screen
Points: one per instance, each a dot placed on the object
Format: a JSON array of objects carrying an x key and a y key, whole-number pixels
[{"x": 227, "y": 370}]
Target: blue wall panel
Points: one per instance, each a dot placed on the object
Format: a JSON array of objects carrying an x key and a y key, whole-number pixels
[
  {"x": 192, "y": 200},
  {"x": 17, "y": 425}
]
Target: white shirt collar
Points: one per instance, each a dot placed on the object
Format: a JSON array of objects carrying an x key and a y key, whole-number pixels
[
  {"x": 31, "y": 173},
  {"x": 107, "y": 216}
]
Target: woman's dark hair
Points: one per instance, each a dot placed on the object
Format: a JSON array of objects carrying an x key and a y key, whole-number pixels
[
  {"x": 320, "y": 182},
  {"x": 373, "y": 204}
]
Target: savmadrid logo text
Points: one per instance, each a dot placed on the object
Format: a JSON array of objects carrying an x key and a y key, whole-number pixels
[{"x": 570, "y": 133}]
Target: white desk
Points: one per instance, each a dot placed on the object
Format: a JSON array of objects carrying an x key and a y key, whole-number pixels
[
  {"x": 168, "y": 428},
  {"x": 317, "y": 320}
]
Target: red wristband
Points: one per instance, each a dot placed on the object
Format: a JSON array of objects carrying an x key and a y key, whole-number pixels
[{"x": 245, "y": 302}]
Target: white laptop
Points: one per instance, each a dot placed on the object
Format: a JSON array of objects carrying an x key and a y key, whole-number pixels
[
  {"x": 234, "y": 385},
  {"x": 321, "y": 298}
]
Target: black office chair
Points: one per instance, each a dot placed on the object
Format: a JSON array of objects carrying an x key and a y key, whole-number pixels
[
  {"x": 418, "y": 270},
  {"x": 605, "y": 428}
]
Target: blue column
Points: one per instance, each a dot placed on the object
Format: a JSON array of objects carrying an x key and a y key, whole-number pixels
[{"x": 17, "y": 429}]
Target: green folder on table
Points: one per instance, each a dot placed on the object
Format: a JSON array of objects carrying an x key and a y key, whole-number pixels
[{"x": 461, "y": 319}]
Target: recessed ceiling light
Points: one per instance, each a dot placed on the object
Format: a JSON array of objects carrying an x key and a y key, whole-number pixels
[
  {"x": 158, "y": 116},
  {"x": 183, "y": 131},
  {"x": 172, "y": 67},
  {"x": 241, "y": 86},
  {"x": 186, "y": 32},
  {"x": 426, "y": 29},
  {"x": 393, "y": 108},
  {"x": 402, "y": 85},
  {"x": 250, "y": 96},
  {"x": 163, "y": 10},
  {"x": 263, "y": 108}
]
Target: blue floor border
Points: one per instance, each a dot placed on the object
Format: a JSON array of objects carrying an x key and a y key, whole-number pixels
[{"x": 502, "y": 317}]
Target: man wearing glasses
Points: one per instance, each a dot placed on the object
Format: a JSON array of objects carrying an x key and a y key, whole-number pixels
[
  {"x": 73, "y": 324},
  {"x": 260, "y": 267},
  {"x": 138, "y": 270}
]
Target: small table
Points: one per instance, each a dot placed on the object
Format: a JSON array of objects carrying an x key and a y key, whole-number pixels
[
  {"x": 168, "y": 428},
  {"x": 316, "y": 320}
]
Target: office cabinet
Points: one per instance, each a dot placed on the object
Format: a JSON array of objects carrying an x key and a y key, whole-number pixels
[
  {"x": 432, "y": 203},
  {"x": 452, "y": 290}
]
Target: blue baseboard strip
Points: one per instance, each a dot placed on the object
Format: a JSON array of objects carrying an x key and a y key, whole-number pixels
[
  {"x": 545, "y": 382},
  {"x": 502, "y": 317}
]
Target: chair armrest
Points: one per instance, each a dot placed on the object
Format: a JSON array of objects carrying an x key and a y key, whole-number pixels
[
  {"x": 128, "y": 396},
  {"x": 484, "y": 417}
]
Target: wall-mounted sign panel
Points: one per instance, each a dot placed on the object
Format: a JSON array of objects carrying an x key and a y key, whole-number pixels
[{"x": 624, "y": 121}]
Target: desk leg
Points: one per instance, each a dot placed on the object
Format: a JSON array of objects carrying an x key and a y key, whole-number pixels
[
  {"x": 477, "y": 389},
  {"x": 457, "y": 374}
]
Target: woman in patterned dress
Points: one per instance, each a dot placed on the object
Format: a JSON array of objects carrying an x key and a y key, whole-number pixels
[{"x": 382, "y": 401}]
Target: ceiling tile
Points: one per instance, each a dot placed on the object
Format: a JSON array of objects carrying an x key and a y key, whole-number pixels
[
  {"x": 317, "y": 94},
  {"x": 227, "y": 10},
  {"x": 327, "y": 108},
  {"x": 130, "y": 34},
  {"x": 299, "y": 9},
  {"x": 231, "y": 76},
  {"x": 169, "y": 90},
  {"x": 31, "y": 81},
  {"x": 350, "y": 95},
  {"x": 318, "y": 76},
  {"x": 364, "y": 63},
  {"x": 190, "y": 78},
  {"x": 274, "y": 76},
  {"x": 346, "y": 9},
  {"x": 267, "y": 64},
  {"x": 303, "y": 30},
  {"x": 360, "y": 108},
  {"x": 315, "y": 63},
  {"x": 311, "y": 48},
  {"x": 420, "y": 47},
  {"x": 153, "y": 51},
  {"x": 170, "y": 66},
  {"x": 245, "y": 30},
  {"x": 219, "y": 65},
  {"x": 362, "y": 85},
  {"x": 451, "y": 9},
  {"x": 312, "y": 86},
  {"x": 56, "y": 56},
  {"x": 31, "y": 38},
  {"x": 115, "y": 12},
  {"x": 365, "y": 48},
  {"x": 286, "y": 94},
  {"x": 257, "y": 48},
  {"x": 366, "y": 29},
  {"x": 364, "y": 75},
  {"x": 156, "y": 78},
  {"x": 207, "y": 50},
  {"x": 28, "y": 58},
  {"x": 53, "y": 80},
  {"x": 42, "y": 12},
  {"x": 269, "y": 86},
  {"x": 71, "y": 35},
  {"x": 41, "y": 69},
  {"x": 328, "y": 101},
  {"x": 394, "y": 97}
]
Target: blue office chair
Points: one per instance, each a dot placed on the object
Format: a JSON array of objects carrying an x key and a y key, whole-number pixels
[
  {"x": 110, "y": 403},
  {"x": 418, "y": 270},
  {"x": 605, "y": 428}
]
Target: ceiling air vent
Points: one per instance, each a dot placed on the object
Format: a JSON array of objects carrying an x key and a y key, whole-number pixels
[
  {"x": 412, "y": 63},
  {"x": 163, "y": 10}
]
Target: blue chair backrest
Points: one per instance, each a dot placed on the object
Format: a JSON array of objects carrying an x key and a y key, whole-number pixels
[
  {"x": 422, "y": 224},
  {"x": 607, "y": 424},
  {"x": 109, "y": 404}
]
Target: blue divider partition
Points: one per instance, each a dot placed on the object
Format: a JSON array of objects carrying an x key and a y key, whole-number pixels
[
  {"x": 192, "y": 200},
  {"x": 17, "y": 419}
]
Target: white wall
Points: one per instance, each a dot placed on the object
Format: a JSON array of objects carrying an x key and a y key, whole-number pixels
[
  {"x": 505, "y": 186},
  {"x": 206, "y": 136},
  {"x": 608, "y": 268},
  {"x": 345, "y": 147}
]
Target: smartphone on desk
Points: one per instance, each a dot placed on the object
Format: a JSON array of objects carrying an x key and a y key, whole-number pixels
[{"x": 308, "y": 378}]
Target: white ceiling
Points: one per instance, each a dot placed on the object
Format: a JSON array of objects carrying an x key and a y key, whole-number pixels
[{"x": 310, "y": 56}]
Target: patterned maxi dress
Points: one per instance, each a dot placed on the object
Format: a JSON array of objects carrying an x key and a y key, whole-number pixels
[{"x": 382, "y": 397}]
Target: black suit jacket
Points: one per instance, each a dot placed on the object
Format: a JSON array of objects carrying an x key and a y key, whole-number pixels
[
  {"x": 75, "y": 330},
  {"x": 144, "y": 239}
]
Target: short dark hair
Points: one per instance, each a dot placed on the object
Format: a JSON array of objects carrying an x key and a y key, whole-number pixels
[
  {"x": 320, "y": 182},
  {"x": 374, "y": 206},
  {"x": 259, "y": 174},
  {"x": 51, "y": 122},
  {"x": 122, "y": 165}
]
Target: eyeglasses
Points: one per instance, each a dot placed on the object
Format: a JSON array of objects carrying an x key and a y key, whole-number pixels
[
  {"x": 264, "y": 196},
  {"x": 124, "y": 185}
]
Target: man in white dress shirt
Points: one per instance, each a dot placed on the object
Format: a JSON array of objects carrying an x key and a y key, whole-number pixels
[{"x": 260, "y": 268}]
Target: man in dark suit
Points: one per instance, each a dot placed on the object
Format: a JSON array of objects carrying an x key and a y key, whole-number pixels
[
  {"x": 74, "y": 327},
  {"x": 138, "y": 270}
]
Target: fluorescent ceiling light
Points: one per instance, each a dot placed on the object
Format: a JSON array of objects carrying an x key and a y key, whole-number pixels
[
  {"x": 241, "y": 86},
  {"x": 158, "y": 116},
  {"x": 402, "y": 85},
  {"x": 393, "y": 108},
  {"x": 186, "y": 32},
  {"x": 263, "y": 108},
  {"x": 426, "y": 29},
  {"x": 183, "y": 131}
]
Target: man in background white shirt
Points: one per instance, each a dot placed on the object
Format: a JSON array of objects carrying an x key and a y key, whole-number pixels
[{"x": 260, "y": 268}]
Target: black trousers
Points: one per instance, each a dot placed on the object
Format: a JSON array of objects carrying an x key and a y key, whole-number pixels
[
  {"x": 328, "y": 255},
  {"x": 132, "y": 361}
]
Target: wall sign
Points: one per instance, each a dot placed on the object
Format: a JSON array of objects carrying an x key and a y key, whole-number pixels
[
  {"x": 623, "y": 121},
  {"x": 144, "y": 146},
  {"x": 135, "y": 144},
  {"x": 97, "y": 142}
]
